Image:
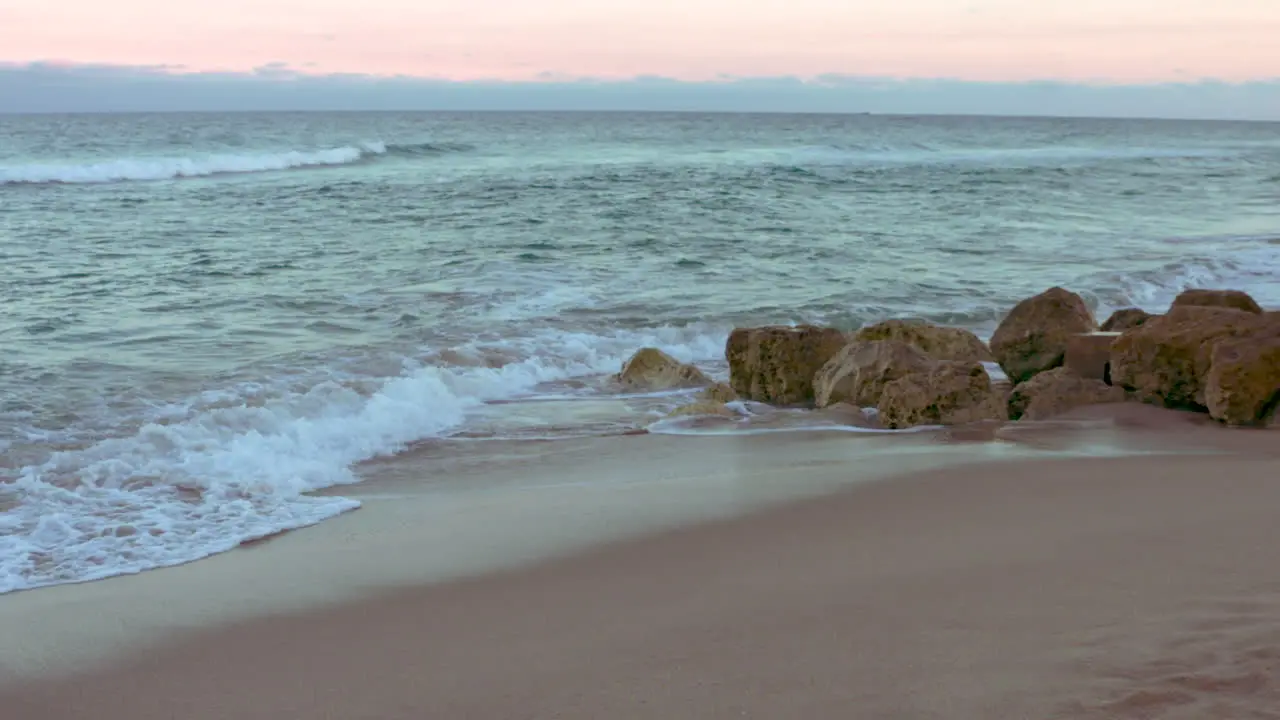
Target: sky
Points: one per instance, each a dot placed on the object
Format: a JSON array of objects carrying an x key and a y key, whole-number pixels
[{"x": 499, "y": 46}]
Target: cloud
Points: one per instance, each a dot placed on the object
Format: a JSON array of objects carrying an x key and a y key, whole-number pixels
[{"x": 53, "y": 87}]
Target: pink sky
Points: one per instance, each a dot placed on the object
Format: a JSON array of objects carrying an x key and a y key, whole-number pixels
[{"x": 1111, "y": 40}]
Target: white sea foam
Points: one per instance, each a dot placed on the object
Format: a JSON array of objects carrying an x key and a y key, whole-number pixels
[
  {"x": 222, "y": 474},
  {"x": 166, "y": 168}
]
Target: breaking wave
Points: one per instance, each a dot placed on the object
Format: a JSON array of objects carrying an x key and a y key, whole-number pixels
[
  {"x": 127, "y": 169},
  {"x": 211, "y": 477}
]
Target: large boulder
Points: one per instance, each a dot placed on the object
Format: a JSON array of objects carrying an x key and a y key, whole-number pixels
[
  {"x": 651, "y": 369},
  {"x": 859, "y": 372},
  {"x": 937, "y": 341},
  {"x": 1057, "y": 391},
  {"x": 1233, "y": 299},
  {"x": 1033, "y": 337},
  {"x": 1089, "y": 355},
  {"x": 1167, "y": 360},
  {"x": 1125, "y": 319},
  {"x": 948, "y": 393},
  {"x": 776, "y": 364},
  {"x": 1243, "y": 384}
]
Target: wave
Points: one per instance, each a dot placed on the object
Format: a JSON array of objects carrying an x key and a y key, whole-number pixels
[
  {"x": 918, "y": 154},
  {"x": 170, "y": 168},
  {"x": 219, "y": 474},
  {"x": 1248, "y": 263}
]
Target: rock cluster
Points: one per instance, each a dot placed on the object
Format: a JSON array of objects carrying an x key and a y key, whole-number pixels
[
  {"x": 913, "y": 373},
  {"x": 1213, "y": 351},
  {"x": 1216, "y": 351}
]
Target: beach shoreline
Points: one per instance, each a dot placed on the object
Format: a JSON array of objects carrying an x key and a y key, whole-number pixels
[
  {"x": 465, "y": 509},
  {"x": 985, "y": 578}
]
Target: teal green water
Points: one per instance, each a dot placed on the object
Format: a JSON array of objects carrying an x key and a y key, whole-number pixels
[{"x": 205, "y": 316}]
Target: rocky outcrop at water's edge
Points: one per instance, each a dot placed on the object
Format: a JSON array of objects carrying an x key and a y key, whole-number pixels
[{"x": 1215, "y": 351}]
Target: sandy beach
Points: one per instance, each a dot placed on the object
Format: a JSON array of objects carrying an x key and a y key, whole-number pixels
[{"x": 1014, "y": 577}]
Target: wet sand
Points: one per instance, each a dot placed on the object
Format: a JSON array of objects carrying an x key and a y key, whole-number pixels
[{"x": 1014, "y": 578}]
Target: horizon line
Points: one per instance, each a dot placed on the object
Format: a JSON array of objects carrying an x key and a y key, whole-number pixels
[
  {"x": 643, "y": 111},
  {"x": 43, "y": 88}
]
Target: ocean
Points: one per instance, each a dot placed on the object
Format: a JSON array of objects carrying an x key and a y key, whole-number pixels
[{"x": 204, "y": 318}]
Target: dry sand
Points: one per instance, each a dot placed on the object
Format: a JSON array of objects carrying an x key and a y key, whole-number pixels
[{"x": 1122, "y": 587}]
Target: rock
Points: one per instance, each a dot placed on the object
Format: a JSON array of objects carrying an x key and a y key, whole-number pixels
[
  {"x": 859, "y": 372},
  {"x": 651, "y": 369},
  {"x": 703, "y": 407},
  {"x": 1033, "y": 337},
  {"x": 937, "y": 341},
  {"x": 1243, "y": 384},
  {"x": 1125, "y": 319},
  {"x": 776, "y": 364},
  {"x": 720, "y": 392},
  {"x": 1218, "y": 298},
  {"x": 1089, "y": 355},
  {"x": 948, "y": 393},
  {"x": 1056, "y": 391},
  {"x": 1167, "y": 360}
]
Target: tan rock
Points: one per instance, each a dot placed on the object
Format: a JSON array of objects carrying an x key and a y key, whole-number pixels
[
  {"x": 859, "y": 372},
  {"x": 1217, "y": 298},
  {"x": 1033, "y": 337},
  {"x": 1125, "y": 319},
  {"x": 1089, "y": 355},
  {"x": 937, "y": 341},
  {"x": 776, "y": 364},
  {"x": 720, "y": 392},
  {"x": 949, "y": 393},
  {"x": 703, "y": 408},
  {"x": 1243, "y": 384},
  {"x": 1056, "y": 391},
  {"x": 651, "y": 369},
  {"x": 1167, "y": 360}
]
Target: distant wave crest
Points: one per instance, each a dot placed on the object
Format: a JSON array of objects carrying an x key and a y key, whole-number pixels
[{"x": 168, "y": 168}]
